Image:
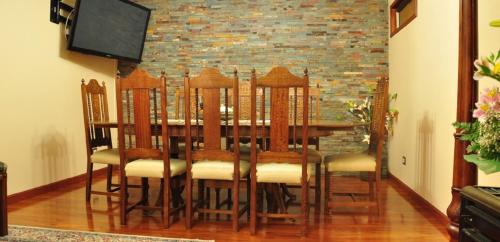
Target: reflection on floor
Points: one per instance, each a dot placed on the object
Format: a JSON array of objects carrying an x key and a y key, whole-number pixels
[{"x": 400, "y": 218}]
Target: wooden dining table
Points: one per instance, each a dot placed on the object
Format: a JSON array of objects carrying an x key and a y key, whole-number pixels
[{"x": 316, "y": 128}]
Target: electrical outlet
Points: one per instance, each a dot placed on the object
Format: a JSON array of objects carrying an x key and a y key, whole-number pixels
[{"x": 403, "y": 160}]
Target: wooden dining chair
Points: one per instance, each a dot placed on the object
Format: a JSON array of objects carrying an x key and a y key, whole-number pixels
[
  {"x": 208, "y": 161},
  {"x": 98, "y": 140},
  {"x": 144, "y": 144},
  {"x": 277, "y": 163},
  {"x": 369, "y": 161}
]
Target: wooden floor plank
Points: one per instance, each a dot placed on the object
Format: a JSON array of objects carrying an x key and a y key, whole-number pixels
[{"x": 400, "y": 219}]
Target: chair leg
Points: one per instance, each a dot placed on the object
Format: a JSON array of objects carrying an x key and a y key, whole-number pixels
[
  {"x": 260, "y": 200},
  {"x": 248, "y": 197},
  {"x": 317, "y": 189},
  {"x": 145, "y": 191},
  {"x": 253, "y": 205},
  {"x": 235, "y": 207},
  {"x": 327, "y": 190},
  {"x": 109, "y": 177},
  {"x": 88, "y": 185},
  {"x": 123, "y": 200},
  {"x": 304, "y": 207},
  {"x": 159, "y": 201},
  {"x": 370, "y": 182},
  {"x": 166, "y": 202},
  {"x": 189, "y": 201},
  {"x": 229, "y": 201},
  {"x": 217, "y": 201},
  {"x": 175, "y": 195},
  {"x": 207, "y": 200},
  {"x": 377, "y": 194},
  {"x": 201, "y": 198}
]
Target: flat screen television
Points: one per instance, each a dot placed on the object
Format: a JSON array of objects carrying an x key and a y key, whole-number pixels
[{"x": 110, "y": 28}]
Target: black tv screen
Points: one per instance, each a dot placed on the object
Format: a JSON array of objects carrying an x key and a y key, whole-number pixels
[{"x": 111, "y": 28}]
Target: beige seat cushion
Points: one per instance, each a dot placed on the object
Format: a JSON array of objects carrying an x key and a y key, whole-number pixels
[
  {"x": 350, "y": 162},
  {"x": 107, "y": 156},
  {"x": 154, "y": 168},
  {"x": 218, "y": 170},
  {"x": 281, "y": 172}
]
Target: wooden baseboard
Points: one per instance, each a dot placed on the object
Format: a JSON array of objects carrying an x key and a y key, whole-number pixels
[
  {"x": 16, "y": 197},
  {"x": 417, "y": 198}
]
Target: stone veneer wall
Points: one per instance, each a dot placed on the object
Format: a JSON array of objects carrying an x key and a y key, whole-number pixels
[{"x": 343, "y": 43}]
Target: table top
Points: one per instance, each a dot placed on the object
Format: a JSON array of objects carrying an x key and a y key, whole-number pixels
[{"x": 326, "y": 124}]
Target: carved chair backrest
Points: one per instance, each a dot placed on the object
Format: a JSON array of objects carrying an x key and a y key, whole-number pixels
[
  {"x": 215, "y": 119},
  {"x": 95, "y": 109},
  {"x": 142, "y": 116},
  {"x": 276, "y": 86},
  {"x": 377, "y": 125}
]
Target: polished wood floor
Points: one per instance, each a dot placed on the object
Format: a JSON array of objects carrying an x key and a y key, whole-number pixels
[{"x": 400, "y": 220}]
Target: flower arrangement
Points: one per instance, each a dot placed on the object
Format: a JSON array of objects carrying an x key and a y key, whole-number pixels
[
  {"x": 363, "y": 112},
  {"x": 484, "y": 133}
]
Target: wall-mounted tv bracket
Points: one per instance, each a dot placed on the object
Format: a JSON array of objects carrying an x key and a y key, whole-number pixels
[{"x": 55, "y": 15}]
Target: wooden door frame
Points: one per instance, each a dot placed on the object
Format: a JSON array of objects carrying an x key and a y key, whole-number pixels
[{"x": 464, "y": 173}]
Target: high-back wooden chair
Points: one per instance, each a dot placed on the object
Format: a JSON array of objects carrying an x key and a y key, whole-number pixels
[
  {"x": 98, "y": 140},
  {"x": 369, "y": 161},
  {"x": 208, "y": 161},
  {"x": 277, "y": 163},
  {"x": 143, "y": 141}
]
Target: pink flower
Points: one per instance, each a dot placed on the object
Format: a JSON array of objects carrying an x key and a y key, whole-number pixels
[
  {"x": 489, "y": 100},
  {"x": 479, "y": 114}
]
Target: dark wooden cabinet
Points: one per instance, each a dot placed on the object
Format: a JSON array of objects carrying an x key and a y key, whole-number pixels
[{"x": 480, "y": 214}]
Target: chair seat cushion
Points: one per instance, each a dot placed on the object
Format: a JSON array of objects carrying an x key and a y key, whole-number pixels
[
  {"x": 281, "y": 172},
  {"x": 154, "y": 168},
  {"x": 107, "y": 156},
  {"x": 350, "y": 162},
  {"x": 218, "y": 170}
]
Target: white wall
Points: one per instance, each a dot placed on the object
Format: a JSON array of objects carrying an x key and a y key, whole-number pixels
[
  {"x": 41, "y": 124},
  {"x": 423, "y": 70}
]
